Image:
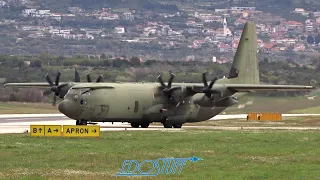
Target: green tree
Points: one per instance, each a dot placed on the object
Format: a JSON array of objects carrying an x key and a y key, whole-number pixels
[
  {"x": 135, "y": 61},
  {"x": 36, "y": 64}
]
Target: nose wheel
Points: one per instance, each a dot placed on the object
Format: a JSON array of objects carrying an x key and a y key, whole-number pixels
[{"x": 81, "y": 122}]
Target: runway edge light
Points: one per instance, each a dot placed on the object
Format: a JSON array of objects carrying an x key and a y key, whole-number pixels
[{"x": 81, "y": 131}]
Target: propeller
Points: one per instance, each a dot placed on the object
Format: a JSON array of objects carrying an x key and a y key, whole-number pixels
[
  {"x": 76, "y": 76},
  {"x": 167, "y": 90},
  {"x": 207, "y": 88},
  {"x": 99, "y": 79},
  {"x": 55, "y": 87}
]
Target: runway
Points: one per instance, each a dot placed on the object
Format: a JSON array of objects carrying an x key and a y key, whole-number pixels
[{"x": 20, "y": 123}]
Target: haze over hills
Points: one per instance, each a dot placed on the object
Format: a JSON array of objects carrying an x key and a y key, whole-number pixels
[
  {"x": 98, "y": 4},
  {"x": 161, "y": 5}
]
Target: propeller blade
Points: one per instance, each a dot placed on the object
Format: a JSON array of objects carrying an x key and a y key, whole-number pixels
[
  {"x": 99, "y": 78},
  {"x": 204, "y": 79},
  {"x": 161, "y": 81},
  {"x": 54, "y": 100},
  {"x": 170, "y": 80},
  {"x": 47, "y": 92},
  {"x": 57, "y": 79},
  {"x": 212, "y": 82},
  {"x": 49, "y": 80},
  {"x": 208, "y": 94},
  {"x": 88, "y": 78},
  {"x": 76, "y": 76}
]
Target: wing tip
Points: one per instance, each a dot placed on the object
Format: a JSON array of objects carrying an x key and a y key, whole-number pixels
[{"x": 311, "y": 87}]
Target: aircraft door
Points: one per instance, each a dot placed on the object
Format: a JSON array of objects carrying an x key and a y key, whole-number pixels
[
  {"x": 194, "y": 111},
  {"x": 101, "y": 111},
  {"x": 98, "y": 105},
  {"x": 142, "y": 100},
  {"x": 85, "y": 104}
]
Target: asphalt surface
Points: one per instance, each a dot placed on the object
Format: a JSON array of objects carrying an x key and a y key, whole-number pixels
[{"x": 20, "y": 123}]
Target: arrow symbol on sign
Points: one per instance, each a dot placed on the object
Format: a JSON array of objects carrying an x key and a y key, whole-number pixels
[
  {"x": 94, "y": 131},
  {"x": 56, "y": 130}
]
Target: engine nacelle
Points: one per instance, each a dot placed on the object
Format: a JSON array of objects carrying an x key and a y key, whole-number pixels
[{"x": 64, "y": 90}]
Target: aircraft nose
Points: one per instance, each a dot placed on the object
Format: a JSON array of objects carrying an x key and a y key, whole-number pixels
[{"x": 68, "y": 108}]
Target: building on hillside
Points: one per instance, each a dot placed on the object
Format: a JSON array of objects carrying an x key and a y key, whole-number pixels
[{"x": 119, "y": 30}]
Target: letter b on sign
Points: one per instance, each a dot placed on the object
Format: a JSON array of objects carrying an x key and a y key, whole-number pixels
[{"x": 37, "y": 130}]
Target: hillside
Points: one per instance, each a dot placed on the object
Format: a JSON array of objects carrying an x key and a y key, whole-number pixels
[
  {"x": 272, "y": 4},
  {"x": 161, "y": 5},
  {"x": 98, "y": 4}
]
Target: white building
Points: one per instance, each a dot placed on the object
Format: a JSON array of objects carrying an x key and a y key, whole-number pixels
[
  {"x": 119, "y": 30},
  {"x": 3, "y": 3},
  {"x": 128, "y": 16},
  {"x": 55, "y": 16},
  {"x": 28, "y": 12}
]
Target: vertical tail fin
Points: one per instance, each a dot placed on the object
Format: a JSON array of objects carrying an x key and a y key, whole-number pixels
[{"x": 245, "y": 68}]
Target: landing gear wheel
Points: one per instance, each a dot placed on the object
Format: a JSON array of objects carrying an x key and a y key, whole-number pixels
[
  {"x": 165, "y": 125},
  {"x": 134, "y": 125},
  {"x": 81, "y": 122},
  {"x": 177, "y": 125},
  {"x": 145, "y": 125}
]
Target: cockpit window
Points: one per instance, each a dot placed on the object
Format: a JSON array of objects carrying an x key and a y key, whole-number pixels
[
  {"x": 86, "y": 93},
  {"x": 73, "y": 91},
  {"x": 78, "y": 91}
]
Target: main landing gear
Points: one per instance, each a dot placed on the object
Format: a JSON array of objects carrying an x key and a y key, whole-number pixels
[
  {"x": 143, "y": 125},
  {"x": 165, "y": 118},
  {"x": 81, "y": 122},
  {"x": 166, "y": 125}
]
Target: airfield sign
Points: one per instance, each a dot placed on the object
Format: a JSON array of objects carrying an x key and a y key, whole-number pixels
[
  {"x": 45, "y": 130},
  {"x": 81, "y": 131},
  {"x": 53, "y": 130},
  {"x": 66, "y": 130},
  {"x": 37, "y": 130}
]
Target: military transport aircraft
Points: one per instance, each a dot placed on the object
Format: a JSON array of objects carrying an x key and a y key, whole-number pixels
[{"x": 171, "y": 104}]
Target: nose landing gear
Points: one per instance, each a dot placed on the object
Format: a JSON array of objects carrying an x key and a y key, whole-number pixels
[{"x": 81, "y": 122}]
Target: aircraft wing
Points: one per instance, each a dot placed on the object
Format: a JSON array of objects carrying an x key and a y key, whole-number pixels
[
  {"x": 93, "y": 86},
  {"x": 28, "y": 85},
  {"x": 265, "y": 87},
  {"x": 34, "y": 85}
]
